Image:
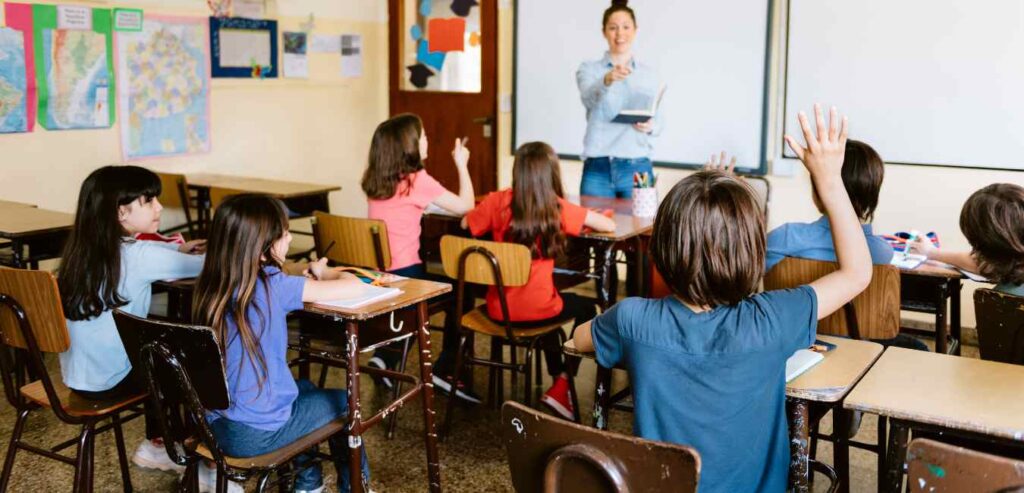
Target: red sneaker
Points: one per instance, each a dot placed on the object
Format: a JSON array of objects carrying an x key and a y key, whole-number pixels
[{"x": 557, "y": 398}]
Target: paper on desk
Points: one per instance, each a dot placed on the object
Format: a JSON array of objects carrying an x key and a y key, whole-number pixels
[
  {"x": 371, "y": 294},
  {"x": 907, "y": 260},
  {"x": 801, "y": 361}
]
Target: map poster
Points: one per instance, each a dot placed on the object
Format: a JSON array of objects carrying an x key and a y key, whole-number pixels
[
  {"x": 164, "y": 87},
  {"x": 75, "y": 71},
  {"x": 13, "y": 88},
  {"x": 19, "y": 18}
]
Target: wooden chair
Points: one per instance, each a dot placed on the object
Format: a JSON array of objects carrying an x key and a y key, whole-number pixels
[
  {"x": 501, "y": 265},
  {"x": 175, "y": 194},
  {"x": 31, "y": 324},
  {"x": 938, "y": 467},
  {"x": 873, "y": 314},
  {"x": 1000, "y": 326},
  {"x": 183, "y": 367},
  {"x": 552, "y": 455},
  {"x": 357, "y": 242}
]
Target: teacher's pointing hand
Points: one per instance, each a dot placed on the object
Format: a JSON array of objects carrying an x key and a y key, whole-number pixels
[{"x": 617, "y": 73}]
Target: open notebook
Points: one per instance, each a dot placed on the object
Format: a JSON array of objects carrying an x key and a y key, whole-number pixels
[
  {"x": 642, "y": 108},
  {"x": 371, "y": 294},
  {"x": 801, "y": 361}
]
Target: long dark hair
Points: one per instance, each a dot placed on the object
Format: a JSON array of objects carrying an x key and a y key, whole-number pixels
[
  {"x": 394, "y": 155},
  {"x": 241, "y": 242},
  {"x": 617, "y": 6},
  {"x": 992, "y": 219},
  {"x": 536, "y": 213},
  {"x": 90, "y": 272}
]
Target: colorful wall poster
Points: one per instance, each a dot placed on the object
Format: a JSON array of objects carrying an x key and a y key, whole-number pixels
[
  {"x": 19, "y": 18},
  {"x": 13, "y": 83},
  {"x": 243, "y": 47}
]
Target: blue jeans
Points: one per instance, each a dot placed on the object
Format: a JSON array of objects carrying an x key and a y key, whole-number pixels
[
  {"x": 612, "y": 177},
  {"x": 312, "y": 409}
]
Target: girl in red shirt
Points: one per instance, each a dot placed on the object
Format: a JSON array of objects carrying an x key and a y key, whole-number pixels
[{"x": 535, "y": 213}]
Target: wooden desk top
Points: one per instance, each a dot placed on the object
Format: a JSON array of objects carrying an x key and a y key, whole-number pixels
[
  {"x": 274, "y": 188},
  {"x": 828, "y": 381},
  {"x": 931, "y": 268},
  {"x": 413, "y": 291},
  {"x": 7, "y": 204},
  {"x": 29, "y": 221},
  {"x": 842, "y": 368},
  {"x": 960, "y": 393}
]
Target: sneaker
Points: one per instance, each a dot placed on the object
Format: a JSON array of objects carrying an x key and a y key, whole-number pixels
[
  {"x": 378, "y": 363},
  {"x": 208, "y": 480},
  {"x": 154, "y": 456},
  {"x": 318, "y": 490},
  {"x": 557, "y": 398},
  {"x": 445, "y": 385}
]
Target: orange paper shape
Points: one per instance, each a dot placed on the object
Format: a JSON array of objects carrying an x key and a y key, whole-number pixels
[
  {"x": 474, "y": 39},
  {"x": 446, "y": 34}
]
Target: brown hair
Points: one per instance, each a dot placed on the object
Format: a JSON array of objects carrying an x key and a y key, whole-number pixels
[
  {"x": 993, "y": 222},
  {"x": 863, "y": 172},
  {"x": 709, "y": 239},
  {"x": 617, "y": 6},
  {"x": 394, "y": 156},
  {"x": 241, "y": 242},
  {"x": 536, "y": 213}
]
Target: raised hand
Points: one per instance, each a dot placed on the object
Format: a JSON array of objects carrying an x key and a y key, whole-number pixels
[
  {"x": 718, "y": 162},
  {"x": 460, "y": 153},
  {"x": 823, "y": 156}
]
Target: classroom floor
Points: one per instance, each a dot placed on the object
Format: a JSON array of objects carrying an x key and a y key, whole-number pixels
[{"x": 473, "y": 458}]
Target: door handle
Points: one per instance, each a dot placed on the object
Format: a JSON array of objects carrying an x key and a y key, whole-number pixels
[{"x": 488, "y": 123}]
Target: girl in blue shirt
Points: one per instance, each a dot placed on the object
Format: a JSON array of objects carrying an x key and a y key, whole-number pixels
[{"x": 245, "y": 297}]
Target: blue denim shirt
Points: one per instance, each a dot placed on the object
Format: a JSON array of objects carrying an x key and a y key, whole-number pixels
[
  {"x": 814, "y": 241},
  {"x": 619, "y": 140}
]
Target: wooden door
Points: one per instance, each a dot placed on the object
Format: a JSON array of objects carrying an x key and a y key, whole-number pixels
[{"x": 443, "y": 67}]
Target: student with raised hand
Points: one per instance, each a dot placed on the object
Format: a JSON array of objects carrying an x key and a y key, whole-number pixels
[
  {"x": 244, "y": 296},
  {"x": 398, "y": 190},
  {"x": 707, "y": 365},
  {"x": 992, "y": 220}
]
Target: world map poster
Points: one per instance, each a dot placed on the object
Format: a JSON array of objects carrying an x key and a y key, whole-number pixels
[
  {"x": 13, "y": 82},
  {"x": 164, "y": 88}
]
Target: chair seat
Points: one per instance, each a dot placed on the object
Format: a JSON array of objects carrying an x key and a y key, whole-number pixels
[
  {"x": 280, "y": 456},
  {"x": 74, "y": 404},
  {"x": 478, "y": 321}
]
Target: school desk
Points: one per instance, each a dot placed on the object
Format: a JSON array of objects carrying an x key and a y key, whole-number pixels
[
  {"x": 817, "y": 391},
  {"x": 366, "y": 328},
  {"x": 42, "y": 231},
  {"x": 8, "y": 204},
  {"x": 951, "y": 395},
  {"x": 927, "y": 289},
  {"x": 301, "y": 198}
]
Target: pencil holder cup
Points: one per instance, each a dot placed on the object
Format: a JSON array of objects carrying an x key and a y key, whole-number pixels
[{"x": 645, "y": 202}]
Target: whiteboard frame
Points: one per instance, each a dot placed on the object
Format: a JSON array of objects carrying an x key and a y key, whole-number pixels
[{"x": 761, "y": 169}]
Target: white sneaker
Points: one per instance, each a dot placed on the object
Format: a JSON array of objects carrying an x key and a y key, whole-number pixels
[
  {"x": 208, "y": 480},
  {"x": 152, "y": 456}
]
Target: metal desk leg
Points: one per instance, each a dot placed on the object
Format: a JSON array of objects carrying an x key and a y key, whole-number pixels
[
  {"x": 17, "y": 249},
  {"x": 896, "y": 455},
  {"x": 941, "y": 331},
  {"x": 426, "y": 380},
  {"x": 602, "y": 396},
  {"x": 880, "y": 479},
  {"x": 799, "y": 445},
  {"x": 955, "y": 285},
  {"x": 355, "y": 417},
  {"x": 841, "y": 446},
  {"x": 606, "y": 260}
]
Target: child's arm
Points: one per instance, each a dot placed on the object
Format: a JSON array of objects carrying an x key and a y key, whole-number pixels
[
  {"x": 823, "y": 158},
  {"x": 583, "y": 339},
  {"x": 962, "y": 260},
  {"x": 327, "y": 284},
  {"x": 463, "y": 202},
  {"x": 599, "y": 222}
]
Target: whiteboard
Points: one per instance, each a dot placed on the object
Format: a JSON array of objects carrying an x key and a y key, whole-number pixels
[
  {"x": 932, "y": 82},
  {"x": 712, "y": 56}
]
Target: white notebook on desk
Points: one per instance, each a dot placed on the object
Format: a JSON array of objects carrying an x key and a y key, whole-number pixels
[
  {"x": 907, "y": 260},
  {"x": 372, "y": 294},
  {"x": 801, "y": 361}
]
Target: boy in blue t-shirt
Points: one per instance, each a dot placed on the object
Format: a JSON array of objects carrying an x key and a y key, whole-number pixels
[{"x": 707, "y": 365}]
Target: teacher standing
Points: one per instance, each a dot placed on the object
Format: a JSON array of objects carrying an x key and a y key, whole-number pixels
[{"x": 612, "y": 152}]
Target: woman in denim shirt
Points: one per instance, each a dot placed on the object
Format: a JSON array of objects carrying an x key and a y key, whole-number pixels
[{"x": 612, "y": 152}]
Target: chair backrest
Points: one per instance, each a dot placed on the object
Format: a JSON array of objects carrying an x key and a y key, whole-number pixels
[
  {"x": 195, "y": 347},
  {"x": 37, "y": 293},
  {"x": 875, "y": 313},
  {"x": 356, "y": 241},
  {"x": 513, "y": 261},
  {"x": 939, "y": 467},
  {"x": 763, "y": 188},
  {"x": 550, "y": 455},
  {"x": 1000, "y": 326}
]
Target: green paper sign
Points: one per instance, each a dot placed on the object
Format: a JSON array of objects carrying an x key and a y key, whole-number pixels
[
  {"x": 74, "y": 71},
  {"x": 128, "y": 20}
]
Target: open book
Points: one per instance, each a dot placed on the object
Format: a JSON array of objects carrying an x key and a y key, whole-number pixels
[
  {"x": 371, "y": 294},
  {"x": 907, "y": 260},
  {"x": 801, "y": 361},
  {"x": 644, "y": 108}
]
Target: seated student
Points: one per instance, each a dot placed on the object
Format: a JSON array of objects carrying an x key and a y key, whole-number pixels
[
  {"x": 535, "y": 213},
  {"x": 992, "y": 220},
  {"x": 707, "y": 365},
  {"x": 863, "y": 171}
]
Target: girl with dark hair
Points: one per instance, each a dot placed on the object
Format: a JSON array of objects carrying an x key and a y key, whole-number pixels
[
  {"x": 612, "y": 152},
  {"x": 103, "y": 269},
  {"x": 398, "y": 191},
  {"x": 243, "y": 295},
  {"x": 535, "y": 213}
]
